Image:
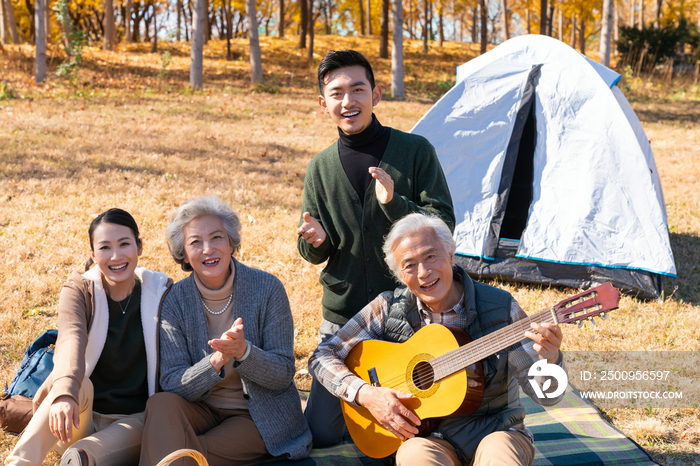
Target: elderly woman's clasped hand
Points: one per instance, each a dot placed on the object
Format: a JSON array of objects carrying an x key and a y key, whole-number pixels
[{"x": 231, "y": 344}]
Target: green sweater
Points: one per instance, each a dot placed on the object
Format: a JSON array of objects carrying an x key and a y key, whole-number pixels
[{"x": 356, "y": 272}]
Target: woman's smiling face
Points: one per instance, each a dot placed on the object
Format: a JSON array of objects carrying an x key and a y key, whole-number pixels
[
  {"x": 116, "y": 253},
  {"x": 208, "y": 250}
]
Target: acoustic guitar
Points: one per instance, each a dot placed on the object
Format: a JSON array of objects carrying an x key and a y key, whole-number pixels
[{"x": 440, "y": 366}]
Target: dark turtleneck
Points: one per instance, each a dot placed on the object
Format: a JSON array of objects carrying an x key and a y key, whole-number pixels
[{"x": 360, "y": 151}]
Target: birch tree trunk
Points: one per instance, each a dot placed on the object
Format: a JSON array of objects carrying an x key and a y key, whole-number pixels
[
  {"x": 197, "y": 47},
  {"x": 484, "y": 26},
  {"x": 582, "y": 37},
  {"x": 4, "y": 33},
  {"x": 256, "y": 74},
  {"x": 641, "y": 14},
  {"x": 606, "y": 32},
  {"x": 310, "y": 54},
  {"x": 397, "y": 87},
  {"x": 573, "y": 32},
  {"x": 40, "y": 59},
  {"x": 109, "y": 25},
  {"x": 631, "y": 17},
  {"x": 280, "y": 18},
  {"x": 657, "y": 13},
  {"x": 368, "y": 15},
  {"x": 529, "y": 22},
  {"x": 11, "y": 21},
  {"x": 506, "y": 32},
  {"x": 560, "y": 26},
  {"x": 384, "y": 31}
]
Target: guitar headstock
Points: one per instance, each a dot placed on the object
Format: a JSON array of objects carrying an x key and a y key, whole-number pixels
[{"x": 590, "y": 303}]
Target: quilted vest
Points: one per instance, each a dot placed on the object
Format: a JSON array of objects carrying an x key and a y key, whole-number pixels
[{"x": 486, "y": 309}]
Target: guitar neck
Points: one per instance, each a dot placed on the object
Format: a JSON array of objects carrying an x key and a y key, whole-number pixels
[{"x": 473, "y": 352}]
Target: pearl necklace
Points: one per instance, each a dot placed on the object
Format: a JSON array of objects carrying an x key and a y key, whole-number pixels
[{"x": 218, "y": 312}]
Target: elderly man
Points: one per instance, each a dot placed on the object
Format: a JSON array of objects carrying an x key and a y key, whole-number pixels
[{"x": 420, "y": 252}]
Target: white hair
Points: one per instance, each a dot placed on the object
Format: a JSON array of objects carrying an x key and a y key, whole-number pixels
[
  {"x": 193, "y": 208},
  {"x": 412, "y": 224}
]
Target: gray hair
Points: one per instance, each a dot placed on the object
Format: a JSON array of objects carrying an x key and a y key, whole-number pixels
[
  {"x": 189, "y": 210},
  {"x": 412, "y": 224}
]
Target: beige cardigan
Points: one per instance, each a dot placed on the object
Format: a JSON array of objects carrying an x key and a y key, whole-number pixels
[{"x": 83, "y": 318}]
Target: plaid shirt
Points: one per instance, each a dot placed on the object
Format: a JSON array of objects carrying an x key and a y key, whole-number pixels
[{"x": 327, "y": 362}]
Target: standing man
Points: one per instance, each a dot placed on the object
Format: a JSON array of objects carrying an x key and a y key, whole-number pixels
[{"x": 354, "y": 191}]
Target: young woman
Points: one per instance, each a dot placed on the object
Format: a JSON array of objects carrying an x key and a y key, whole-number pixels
[
  {"x": 226, "y": 352},
  {"x": 91, "y": 406}
]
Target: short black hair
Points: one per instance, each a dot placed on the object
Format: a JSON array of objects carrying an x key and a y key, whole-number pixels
[
  {"x": 117, "y": 217},
  {"x": 334, "y": 60}
]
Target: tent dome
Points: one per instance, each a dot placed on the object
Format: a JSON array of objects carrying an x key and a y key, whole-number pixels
[{"x": 551, "y": 174}]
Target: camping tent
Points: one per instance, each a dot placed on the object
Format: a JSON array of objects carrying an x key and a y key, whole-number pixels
[{"x": 552, "y": 177}]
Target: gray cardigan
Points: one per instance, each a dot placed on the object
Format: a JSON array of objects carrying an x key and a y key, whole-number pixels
[{"x": 267, "y": 373}]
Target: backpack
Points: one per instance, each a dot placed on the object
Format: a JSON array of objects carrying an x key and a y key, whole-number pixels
[{"x": 37, "y": 364}]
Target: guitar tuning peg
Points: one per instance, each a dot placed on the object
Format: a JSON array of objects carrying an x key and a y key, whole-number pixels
[
  {"x": 592, "y": 320},
  {"x": 580, "y": 324},
  {"x": 604, "y": 316}
]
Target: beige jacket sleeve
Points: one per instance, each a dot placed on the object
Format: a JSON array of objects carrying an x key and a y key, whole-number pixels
[{"x": 75, "y": 311}]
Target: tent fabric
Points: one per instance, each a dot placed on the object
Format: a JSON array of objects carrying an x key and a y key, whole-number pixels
[{"x": 596, "y": 193}]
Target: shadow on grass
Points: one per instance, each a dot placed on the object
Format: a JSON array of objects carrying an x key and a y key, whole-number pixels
[
  {"x": 686, "y": 111},
  {"x": 686, "y": 251}
]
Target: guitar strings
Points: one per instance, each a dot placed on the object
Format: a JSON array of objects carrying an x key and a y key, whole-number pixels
[{"x": 476, "y": 350}]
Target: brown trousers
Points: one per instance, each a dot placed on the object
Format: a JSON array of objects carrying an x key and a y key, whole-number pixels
[
  {"x": 223, "y": 436},
  {"x": 506, "y": 448}
]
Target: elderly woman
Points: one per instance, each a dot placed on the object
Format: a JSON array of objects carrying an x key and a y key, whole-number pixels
[
  {"x": 420, "y": 250},
  {"x": 226, "y": 352}
]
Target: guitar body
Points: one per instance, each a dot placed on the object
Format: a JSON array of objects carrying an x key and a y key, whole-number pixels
[{"x": 405, "y": 367}]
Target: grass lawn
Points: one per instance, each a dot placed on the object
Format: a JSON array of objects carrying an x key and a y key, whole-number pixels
[{"x": 128, "y": 133}]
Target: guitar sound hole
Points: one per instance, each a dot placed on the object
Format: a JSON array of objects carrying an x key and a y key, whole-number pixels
[{"x": 423, "y": 376}]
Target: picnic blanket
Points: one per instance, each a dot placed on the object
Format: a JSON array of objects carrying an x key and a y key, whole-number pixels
[{"x": 572, "y": 433}]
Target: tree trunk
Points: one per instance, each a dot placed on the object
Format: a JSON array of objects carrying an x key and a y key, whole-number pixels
[
  {"x": 310, "y": 51},
  {"x": 397, "y": 87},
  {"x": 441, "y": 32},
  {"x": 368, "y": 15},
  {"x": 582, "y": 37},
  {"x": 529, "y": 22},
  {"x": 154, "y": 48},
  {"x": 178, "y": 6},
  {"x": 256, "y": 74},
  {"x": 108, "y": 42},
  {"x": 484, "y": 27},
  {"x": 560, "y": 26},
  {"x": 11, "y": 21},
  {"x": 606, "y": 32},
  {"x": 4, "y": 33},
  {"x": 543, "y": 17},
  {"x": 207, "y": 25},
  {"x": 616, "y": 25},
  {"x": 229, "y": 28},
  {"x": 506, "y": 32},
  {"x": 641, "y": 14},
  {"x": 573, "y": 32},
  {"x": 425, "y": 26},
  {"x": 475, "y": 23},
  {"x": 197, "y": 47},
  {"x": 430, "y": 20},
  {"x": 280, "y": 18},
  {"x": 329, "y": 17},
  {"x": 362, "y": 18},
  {"x": 40, "y": 59},
  {"x": 631, "y": 17},
  {"x": 657, "y": 13},
  {"x": 550, "y": 20},
  {"x": 128, "y": 33},
  {"x": 384, "y": 31},
  {"x": 304, "y": 22}
]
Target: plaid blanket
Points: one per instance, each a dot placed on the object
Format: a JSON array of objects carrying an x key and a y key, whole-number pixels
[{"x": 572, "y": 433}]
